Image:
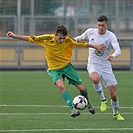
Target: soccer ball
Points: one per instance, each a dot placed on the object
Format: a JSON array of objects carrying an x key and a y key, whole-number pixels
[{"x": 80, "y": 102}]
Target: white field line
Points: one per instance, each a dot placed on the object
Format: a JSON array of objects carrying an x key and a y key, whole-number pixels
[
  {"x": 86, "y": 129},
  {"x": 58, "y": 113},
  {"x": 51, "y": 106}
]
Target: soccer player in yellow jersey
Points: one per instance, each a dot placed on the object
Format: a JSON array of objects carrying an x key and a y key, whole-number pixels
[{"x": 58, "y": 51}]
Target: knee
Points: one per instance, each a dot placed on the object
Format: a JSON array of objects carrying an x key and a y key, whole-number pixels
[
  {"x": 94, "y": 77},
  {"x": 61, "y": 87},
  {"x": 95, "y": 80}
]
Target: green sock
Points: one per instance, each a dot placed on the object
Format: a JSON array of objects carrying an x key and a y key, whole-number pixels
[
  {"x": 67, "y": 97},
  {"x": 85, "y": 94}
]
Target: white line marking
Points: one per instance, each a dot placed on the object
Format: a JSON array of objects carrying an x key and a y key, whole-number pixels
[
  {"x": 87, "y": 129},
  {"x": 56, "y": 113},
  {"x": 49, "y": 106}
]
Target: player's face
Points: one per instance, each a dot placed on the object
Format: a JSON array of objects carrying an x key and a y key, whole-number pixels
[
  {"x": 102, "y": 26},
  {"x": 59, "y": 38}
]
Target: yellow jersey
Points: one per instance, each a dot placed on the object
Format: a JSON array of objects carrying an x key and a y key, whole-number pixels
[{"x": 57, "y": 55}]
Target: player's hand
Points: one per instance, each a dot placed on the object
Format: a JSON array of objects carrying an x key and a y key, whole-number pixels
[
  {"x": 111, "y": 58},
  {"x": 100, "y": 47},
  {"x": 10, "y": 34}
]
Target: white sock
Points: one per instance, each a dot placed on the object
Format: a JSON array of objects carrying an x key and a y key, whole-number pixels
[
  {"x": 98, "y": 88},
  {"x": 115, "y": 106}
]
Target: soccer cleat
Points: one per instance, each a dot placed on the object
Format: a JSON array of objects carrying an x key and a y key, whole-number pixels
[
  {"x": 92, "y": 111},
  {"x": 118, "y": 117},
  {"x": 75, "y": 113},
  {"x": 103, "y": 106}
]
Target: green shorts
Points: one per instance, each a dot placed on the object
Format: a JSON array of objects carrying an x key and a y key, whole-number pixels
[{"x": 68, "y": 72}]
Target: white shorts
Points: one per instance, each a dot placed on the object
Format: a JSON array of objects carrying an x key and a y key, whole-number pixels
[{"x": 106, "y": 74}]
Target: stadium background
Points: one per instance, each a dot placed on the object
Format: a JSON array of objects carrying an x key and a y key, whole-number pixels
[{"x": 36, "y": 17}]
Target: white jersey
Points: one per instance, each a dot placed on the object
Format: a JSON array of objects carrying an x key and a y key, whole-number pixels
[{"x": 109, "y": 39}]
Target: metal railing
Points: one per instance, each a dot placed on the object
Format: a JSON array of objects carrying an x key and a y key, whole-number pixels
[{"x": 15, "y": 54}]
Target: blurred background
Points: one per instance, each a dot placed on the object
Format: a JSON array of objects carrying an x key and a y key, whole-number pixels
[{"x": 28, "y": 17}]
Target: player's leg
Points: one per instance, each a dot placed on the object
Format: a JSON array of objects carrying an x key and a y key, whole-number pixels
[
  {"x": 110, "y": 82},
  {"x": 114, "y": 102},
  {"x": 114, "y": 99},
  {"x": 58, "y": 80},
  {"x": 95, "y": 77},
  {"x": 67, "y": 97},
  {"x": 98, "y": 88},
  {"x": 74, "y": 79},
  {"x": 84, "y": 92}
]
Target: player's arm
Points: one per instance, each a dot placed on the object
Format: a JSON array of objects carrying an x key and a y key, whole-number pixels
[
  {"x": 117, "y": 50},
  {"x": 20, "y": 37},
  {"x": 115, "y": 54},
  {"x": 83, "y": 36},
  {"x": 99, "y": 47}
]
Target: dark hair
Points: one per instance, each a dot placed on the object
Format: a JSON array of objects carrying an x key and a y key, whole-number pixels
[
  {"x": 102, "y": 18},
  {"x": 61, "y": 29}
]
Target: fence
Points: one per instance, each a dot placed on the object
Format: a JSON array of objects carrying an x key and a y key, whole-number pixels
[
  {"x": 28, "y": 17},
  {"x": 41, "y": 16},
  {"x": 22, "y": 55}
]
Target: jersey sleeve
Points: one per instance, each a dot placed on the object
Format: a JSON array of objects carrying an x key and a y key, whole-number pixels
[
  {"x": 83, "y": 35},
  {"x": 39, "y": 39},
  {"x": 80, "y": 43},
  {"x": 77, "y": 42},
  {"x": 116, "y": 47}
]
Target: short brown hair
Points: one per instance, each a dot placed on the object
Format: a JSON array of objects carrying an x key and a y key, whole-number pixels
[
  {"x": 61, "y": 29},
  {"x": 102, "y": 18}
]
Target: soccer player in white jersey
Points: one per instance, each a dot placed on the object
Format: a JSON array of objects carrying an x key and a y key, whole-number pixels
[{"x": 99, "y": 63}]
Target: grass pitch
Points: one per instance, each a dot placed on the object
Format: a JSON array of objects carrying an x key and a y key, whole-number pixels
[{"x": 31, "y": 103}]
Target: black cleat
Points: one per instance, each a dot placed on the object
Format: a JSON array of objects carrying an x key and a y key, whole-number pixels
[
  {"x": 75, "y": 113},
  {"x": 91, "y": 110}
]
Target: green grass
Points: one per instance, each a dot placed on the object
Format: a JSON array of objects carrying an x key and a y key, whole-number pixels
[{"x": 31, "y": 103}]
